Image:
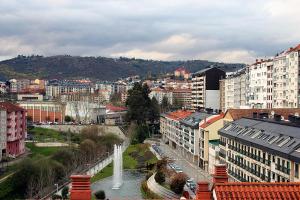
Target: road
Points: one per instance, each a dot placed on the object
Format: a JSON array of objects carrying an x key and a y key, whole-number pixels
[{"x": 190, "y": 169}]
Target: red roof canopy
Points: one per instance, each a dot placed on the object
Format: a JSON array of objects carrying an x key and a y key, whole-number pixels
[{"x": 10, "y": 107}]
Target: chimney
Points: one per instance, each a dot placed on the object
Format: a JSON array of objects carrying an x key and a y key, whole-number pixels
[
  {"x": 81, "y": 187},
  {"x": 220, "y": 175},
  {"x": 203, "y": 192}
]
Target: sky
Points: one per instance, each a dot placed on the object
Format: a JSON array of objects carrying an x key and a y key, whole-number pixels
[{"x": 217, "y": 30}]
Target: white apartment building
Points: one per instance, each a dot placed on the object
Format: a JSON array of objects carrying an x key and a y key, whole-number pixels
[
  {"x": 286, "y": 75},
  {"x": 159, "y": 94},
  {"x": 257, "y": 93},
  {"x": 205, "y": 88}
]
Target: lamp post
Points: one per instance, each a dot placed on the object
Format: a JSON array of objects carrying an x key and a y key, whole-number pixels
[{"x": 56, "y": 185}]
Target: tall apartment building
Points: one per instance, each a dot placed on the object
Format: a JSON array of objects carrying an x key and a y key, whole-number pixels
[
  {"x": 182, "y": 96},
  {"x": 232, "y": 90},
  {"x": 160, "y": 93},
  {"x": 261, "y": 149},
  {"x": 286, "y": 76},
  {"x": 13, "y": 129},
  {"x": 205, "y": 88},
  {"x": 258, "y": 81}
]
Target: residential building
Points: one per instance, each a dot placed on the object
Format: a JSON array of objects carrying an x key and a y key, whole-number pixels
[
  {"x": 262, "y": 149},
  {"x": 208, "y": 133},
  {"x": 160, "y": 93},
  {"x": 286, "y": 74},
  {"x": 259, "y": 82},
  {"x": 182, "y": 72},
  {"x": 55, "y": 88},
  {"x": 222, "y": 95},
  {"x": 182, "y": 97},
  {"x": 213, "y": 155},
  {"x": 44, "y": 111},
  {"x": 205, "y": 88},
  {"x": 13, "y": 129}
]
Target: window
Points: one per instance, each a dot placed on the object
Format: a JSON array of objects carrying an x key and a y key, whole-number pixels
[{"x": 296, "y": 170}]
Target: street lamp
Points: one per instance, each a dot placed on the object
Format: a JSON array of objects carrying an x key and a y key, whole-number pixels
[{"x": 56, "y": 187}]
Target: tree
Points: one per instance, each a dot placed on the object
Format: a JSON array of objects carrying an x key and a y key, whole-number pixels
[
  {"x": 177, "y": 182},
  {"x": 160, "y": 177},
  {"x": 154, "y": 110},
  {"x": 29, "y": 118},
  {"x": 165, "y": 106},
  {"x": 138, "y": 103},
  {"x": 161, "y": 164},
  {"x": 115, "y": 99},
  {"x": 177, "y": 104},
  {"x": 100, "y": 195},
  {"x": 68, "y": 118},
  {"x": 141, "y": 133},
  {"x": 65, "y": 192}
]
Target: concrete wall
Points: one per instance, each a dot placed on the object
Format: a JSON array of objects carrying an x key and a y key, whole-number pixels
[{"x": 212, "y": 99}]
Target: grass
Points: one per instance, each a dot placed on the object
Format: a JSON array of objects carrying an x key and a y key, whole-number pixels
[
  {"x": 49, "y": 135},
  {"x": 38, "y": 152},
  {"x": 105, "y": 172}
]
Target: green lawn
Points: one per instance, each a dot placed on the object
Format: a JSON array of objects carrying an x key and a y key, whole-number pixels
[
  {"x": 38, "y": 152},
  {"x": 105, "y": 172}
]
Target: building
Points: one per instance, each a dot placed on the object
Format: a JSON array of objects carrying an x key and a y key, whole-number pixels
[
  {"x": 159, "y": 94},
  {"x": 189, "y": 134},
  {"x": 182, "y": 72},
  {"x": 222, "y": 189},
  {"x": 222, "y": 95},
  {"x": 55, "y": 88},
  {"x": 29, "y": 97},
  {"x": 205, "y": 88},
  {"x": 44, "y": 111},
  {"x": 286, "y": 75},
  {"x": 85, "y": 111},
  {"x": 13, "y": 130},
  {"x": 182, "y": 97},
  {"x": 208, "y": 134},
  {"x": 261, "y": 149},
  {"x": 259, "y": 82}
]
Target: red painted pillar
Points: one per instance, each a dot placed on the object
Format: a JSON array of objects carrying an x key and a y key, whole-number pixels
[
  {"x": 203, "y": 192},
  {"x": 81, "y": 187}
]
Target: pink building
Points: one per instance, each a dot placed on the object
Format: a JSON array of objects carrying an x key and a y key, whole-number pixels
[{"x": 15, "y": 118}]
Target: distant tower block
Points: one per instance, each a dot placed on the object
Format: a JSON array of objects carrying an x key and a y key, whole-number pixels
[{"x": 81, "y": 187}]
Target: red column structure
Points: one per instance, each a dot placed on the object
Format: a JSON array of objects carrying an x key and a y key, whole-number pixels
[
  {"x": 81, "y": 187},
  {"x": 220, "y": 175},
  {"x": 203, "y": 191}
]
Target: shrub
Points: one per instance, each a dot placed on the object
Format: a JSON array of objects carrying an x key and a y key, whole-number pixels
[
  {"x": 161, "y": 164},
  {"x": 148, "y": 175},
  {"x": 56, "y": 196},
  {"x": 65, "y": 192},
  {"x": 100, "y": 195},
  {"x": 160, "y": 177},
  {"x": 177, "y": 182}
]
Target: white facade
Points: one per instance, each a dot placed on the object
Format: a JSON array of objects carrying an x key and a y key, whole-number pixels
[
  {"x": 159, "y": 94},
  {"x": 212, "y": 99}
]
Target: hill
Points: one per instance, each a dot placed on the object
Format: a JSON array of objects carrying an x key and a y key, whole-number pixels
[{"x": 101, "y": 68}]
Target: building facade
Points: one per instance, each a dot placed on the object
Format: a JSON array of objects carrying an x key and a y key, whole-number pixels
[
  {"x": 13, "y": 129},
  {"x": 44, "y": 111},
  {"x": 205, "y": 88},
  {"x": 258, "y": 150}
]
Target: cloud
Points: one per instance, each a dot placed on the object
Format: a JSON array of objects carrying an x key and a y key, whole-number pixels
[{"x": 233, "y": 30}]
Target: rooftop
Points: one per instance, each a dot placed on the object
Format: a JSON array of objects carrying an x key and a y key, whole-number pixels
[
  {"x": 281, "y": 139},
  {"x": 195, "y": 118},
  {"x": 9, "y": 107},
  {"x": 211, "y": 120},
  {"x": 178, "y": 115},
  {"x": 253, "y": 191}
]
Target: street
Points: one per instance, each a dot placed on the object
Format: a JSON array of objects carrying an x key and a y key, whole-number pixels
[{"x": 190, "y": 169}]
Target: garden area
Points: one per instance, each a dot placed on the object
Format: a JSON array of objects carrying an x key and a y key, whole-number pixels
[{"x": 46, "y": 166}]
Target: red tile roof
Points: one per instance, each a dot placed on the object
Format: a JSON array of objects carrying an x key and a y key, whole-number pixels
[
  {"x": 115, "y": 108},
  {"x": 239, "y": 113},
  {"x": 253, "y": 191},
  {"x": 210, "y": 120},
  {"x": 10, "y": 107},
  {"x": 179, "y": 114},
  {"x": 297, "y": 48}
]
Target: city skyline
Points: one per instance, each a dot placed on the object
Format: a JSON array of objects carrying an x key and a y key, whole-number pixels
[{"x": 235, "y": 31}]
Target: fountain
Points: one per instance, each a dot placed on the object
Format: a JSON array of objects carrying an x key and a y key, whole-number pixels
[{"x": 118, "y": 167}]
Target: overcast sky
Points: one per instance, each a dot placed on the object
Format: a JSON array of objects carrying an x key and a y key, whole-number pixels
[{"x": 216, "y": 30}]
